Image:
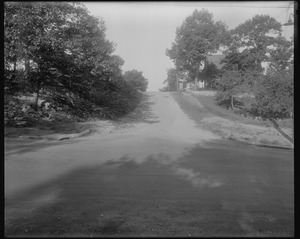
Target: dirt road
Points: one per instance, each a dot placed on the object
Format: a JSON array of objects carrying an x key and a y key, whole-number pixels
[{"x": 163, "y": 177}]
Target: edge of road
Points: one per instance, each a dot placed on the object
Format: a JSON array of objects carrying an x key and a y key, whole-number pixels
[
  {"x": 86, "y": 132},
  {"x": 59, "y": 137},
  {"x": 262, "y": 145},
  {"x": 266, "y": 145}
]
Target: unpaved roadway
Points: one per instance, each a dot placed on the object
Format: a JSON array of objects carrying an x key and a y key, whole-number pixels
[{"x": 162, "y": 177}]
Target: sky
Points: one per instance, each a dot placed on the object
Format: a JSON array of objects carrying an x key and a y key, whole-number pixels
[{"x": 142, "y": 31}]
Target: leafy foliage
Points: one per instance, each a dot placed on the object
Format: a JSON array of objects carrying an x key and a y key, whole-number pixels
[
  {"x": 171, "y": 80},
  {"x": 253, "y": 42},
  {"x": 60, "y": 52},
  {"x": 246, "y": 60},
  {"x": 195, "y": 38},
  {"x": 136, "y": 79},
  {"x": 228, "y": 87},
  {"x": 234, "y": 83},
  {"x": 209, "y": 74},
  {"x": 274, "y": 95},
  {"x": 281, "y": 56},
  {"x": 256, "y": 37}
]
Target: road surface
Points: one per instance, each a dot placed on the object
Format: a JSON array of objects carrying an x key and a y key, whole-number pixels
[{"x": 163, "y": 177}]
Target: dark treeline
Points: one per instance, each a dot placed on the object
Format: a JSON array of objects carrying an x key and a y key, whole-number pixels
[
  {"x": 58, "y": 52},
  {"x": 256, "y": 41}
]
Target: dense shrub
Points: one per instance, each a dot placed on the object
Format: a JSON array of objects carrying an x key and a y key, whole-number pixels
[
  {"x": 229, "y": 86},
  {"x": 19, "y": 113},
  {"x": 136, "y": 79},
  {"x": 235, "y": 84},
  {"x": 120, "y": 99},
  {"x": 274, "y": 95},
  {"x": 67, "y": 63}
]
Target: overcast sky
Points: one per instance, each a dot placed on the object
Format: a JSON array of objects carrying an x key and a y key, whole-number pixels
[{"x": 143, "y": 31}]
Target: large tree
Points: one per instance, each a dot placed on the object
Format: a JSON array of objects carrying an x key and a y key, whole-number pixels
[
  {"x": 255, "y": 41},
  {"x": 137, "y": 79},
  {"x": 171, "y": 79},
  {"x": 64, "y": 49},
  {"x": 198, "y": 36},
  {"x": 274, "y": 97},
  {"x": 241, "y": 61},
  {"x": 251, "y": 42},
  {"x": 30, "y": 30},
  {"x": 209, "y": 74},
  {"x": 281, "y": 55}
]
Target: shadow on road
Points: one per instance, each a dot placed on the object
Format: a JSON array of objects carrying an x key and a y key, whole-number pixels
[
  {"x": 142, "y": 114},
  {"x": 209, "y": 191}
]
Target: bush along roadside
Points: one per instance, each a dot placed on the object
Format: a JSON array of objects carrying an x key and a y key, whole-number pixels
[
  {"x": 271, "y": 95},
  {"x": 19, "y": 113}
]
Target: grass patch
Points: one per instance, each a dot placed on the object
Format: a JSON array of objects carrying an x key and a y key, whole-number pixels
[
  {"x": 210, "y": 105},
  {"x": 226, "y": 123}
]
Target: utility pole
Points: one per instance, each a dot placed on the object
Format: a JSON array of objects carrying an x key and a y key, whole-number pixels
[
  {"x": 196, "y": 79},
  {"x": 177, "y": 83},
  {"x": 291, "y": 23}
]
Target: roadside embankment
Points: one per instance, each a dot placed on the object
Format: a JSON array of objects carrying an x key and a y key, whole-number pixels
[
  {"x": 200, "y": 107},
  {"x": 58, "y": 131}
]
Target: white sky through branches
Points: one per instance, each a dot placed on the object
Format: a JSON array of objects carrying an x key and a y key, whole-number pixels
[{"x": 143, "y": 31}]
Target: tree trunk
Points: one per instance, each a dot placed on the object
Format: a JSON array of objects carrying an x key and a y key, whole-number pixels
[
  {"x": 293, "y": 123},
  {"x": 276, "y": 126},
  {"x": 177, "y": 82},
  {"x": 196, "y": 81},
  {"x": 35, "y": 100},
  {"x": 15, "y": 66},
  {"x": 27, "y": 67}
]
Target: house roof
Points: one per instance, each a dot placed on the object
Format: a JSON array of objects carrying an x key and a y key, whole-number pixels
[{"x": 216, "y": 59}]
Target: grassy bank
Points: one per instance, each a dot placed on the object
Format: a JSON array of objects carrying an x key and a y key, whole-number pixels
[
  {"x": 210, "y": 105},
  {"x": 227, "y": 124}
]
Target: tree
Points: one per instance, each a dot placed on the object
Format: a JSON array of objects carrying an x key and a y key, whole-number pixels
[
  {"x": 256, "y": 37},
  {"x": 198, "y": 36},
  {"x": 241, "y": 61},
  {"x": 27, "y": 28},
  {"x": 251, "y": 43},
  {"x": 137, "y": 79},
  {"x": 61, "y": 45},
  {"x": 281, "y": 55},
  {"x": 171, "y": 80},
  {"x": 67, "y": 58},
  {"x": 228, "y": 87},
  {"x": 234, "y": 83},
  {"x": 209, "y": 73},
  {"x": 274, "y": 97}
]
